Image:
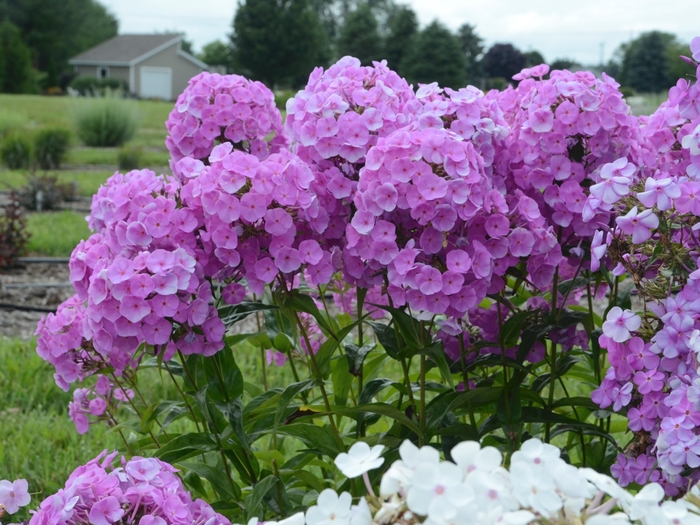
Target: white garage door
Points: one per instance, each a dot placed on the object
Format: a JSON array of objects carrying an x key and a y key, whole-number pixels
[{"x": 156, "y": 82}]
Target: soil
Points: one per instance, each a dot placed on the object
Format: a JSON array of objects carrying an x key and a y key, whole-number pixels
[{"x": 22, "y": 324}]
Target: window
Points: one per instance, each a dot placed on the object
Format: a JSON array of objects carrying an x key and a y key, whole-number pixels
[{"x": 102, "y": 72}]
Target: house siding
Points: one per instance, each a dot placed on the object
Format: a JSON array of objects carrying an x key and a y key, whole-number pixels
[
  {"x": 118, "y": 72},
  {"x": 182, "y": 69}
]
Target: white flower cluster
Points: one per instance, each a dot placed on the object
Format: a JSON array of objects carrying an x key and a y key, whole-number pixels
[{"x": 475, "y": 489}]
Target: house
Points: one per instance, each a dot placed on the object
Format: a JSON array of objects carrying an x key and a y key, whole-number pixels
[{"x": 153, "y": 66}]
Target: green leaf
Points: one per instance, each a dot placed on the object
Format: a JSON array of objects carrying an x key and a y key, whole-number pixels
[
  {"x": 185, "y": 446},
  {"x": 576, "y": 402},
  {"x": 340, "y": 375},
  {"x": 287, "y": 395},
  {"x": 437, "y": 354},
  {"x": 372, "y": 388},
  {"x": 327, "y": 349},
  {"x": 415, "y": 336},
  {"x": 217, "y": 480},
  {"x": 386, "y": 337},
  {"x": 253, "y": 502},
  {"x": 299, "y": 302},
  {"x": 383, "y": 410},
  {"x": 356, "y": 356},
  {"x": 510, "y": 332},
  {"x": 232, "y": 314},
  {"x": 313, "y": 436}
]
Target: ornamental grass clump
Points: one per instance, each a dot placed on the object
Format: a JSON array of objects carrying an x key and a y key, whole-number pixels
[{"x": 105, "y": 122}]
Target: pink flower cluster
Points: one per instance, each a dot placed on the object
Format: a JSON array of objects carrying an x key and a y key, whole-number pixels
[
  {"x": 342, "y": 111},
  {"x": 223, "y": 108},
  {"x": 99, "y": 401},
  {"x": 654, "y": 371},
  {"x": 141, "y": 491}
]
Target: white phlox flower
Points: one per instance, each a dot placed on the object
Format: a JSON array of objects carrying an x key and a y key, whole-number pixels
[
  {"x": 433, "y": 484},
  {"x": 537, "y": 453},
  {"x": 359, "y": 459},
  {"x": 361, "y": 514},
  {"x": 645, "y": 504},
  {"x": 400, "y": 475},
  {"x": 534, "y": 488},
  {"x": 469, "y": 456},
  {"x": 492, "y": 489},
  {"x": 330, "y": 509}
]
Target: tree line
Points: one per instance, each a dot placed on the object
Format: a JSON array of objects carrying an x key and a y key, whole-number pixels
[{"x": 280, "y": 41}]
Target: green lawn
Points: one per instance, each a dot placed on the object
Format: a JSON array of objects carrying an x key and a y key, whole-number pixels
[
  {"x": 55, "y": 234},
  {"x": 31, "y": 112}
]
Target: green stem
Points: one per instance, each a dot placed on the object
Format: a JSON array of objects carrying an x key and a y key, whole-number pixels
[
  {"x": 421, "y": 438},
  {"x": 319, "y": 379},
  {"x": 184, "y": 398},
  {"x": 552, "y": 385}
]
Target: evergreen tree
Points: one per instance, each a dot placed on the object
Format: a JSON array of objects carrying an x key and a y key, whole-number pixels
[
  {"x": 473, "y": 47},
  {"x": 436, "y": 56},
  {"x": 55, "y": 31},
  {"x": 403, "y": 29},
  {"x": 650, "y": 63},
  {"x": 16, "y": 75},
  {"x": 359, "y": 36},
  {"x": 277, "y": 41},
  {"x": 533, "y": 58},
  {"x": 502, "y": 61}
]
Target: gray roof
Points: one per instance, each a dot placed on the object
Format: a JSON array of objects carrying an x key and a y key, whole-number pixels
[{"x": 126, "y": 49}]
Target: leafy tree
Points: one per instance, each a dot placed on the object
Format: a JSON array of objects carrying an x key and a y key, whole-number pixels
[
  {"x": 650, "y": 62},
  {"x": 678, "y": 68},
  {"x": 436, "y": 57},
  {"x": 473, "y": 47},
  {"x": 564, "y": 63},
  {"x": 277, "y": 41},
  {"x": 217, "y": 53},
  {"x": 55, "y": 31},
  {"x": 16, "y": 74},
  {"x": 359, "y": 36},
  {"x": 533, "y": 58},
  {"x": 403, "y": 28},
  {"x": 502, "y": 61}
]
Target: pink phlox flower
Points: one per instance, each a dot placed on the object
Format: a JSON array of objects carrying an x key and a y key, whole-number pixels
[
  {"x": 619, "y": 323},
  {"x": 639, "y": 225}
]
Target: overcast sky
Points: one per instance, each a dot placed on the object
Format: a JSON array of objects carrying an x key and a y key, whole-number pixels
[{"x": 578, "y": 29}]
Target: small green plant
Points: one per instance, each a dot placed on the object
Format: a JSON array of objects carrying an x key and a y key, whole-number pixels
[
  {"x": 44, "y": 192},
  {"x": 107, "y": 121},
  {"x": 50, "y": 147},
  {"x": 16, "y": 151},
  {"x": 130, "y": 158}
]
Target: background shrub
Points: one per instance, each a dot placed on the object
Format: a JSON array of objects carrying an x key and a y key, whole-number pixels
[
  {"x": 50, "y": 147},
  {"x": 130, "y": 158},
  {"x": 13, "y": 232},
  {"x": 44, "y": 192},
  {"x": 16, "y": 151},
  {"x": 106, "y": 121},
  {"x": 89, "y": 86}
]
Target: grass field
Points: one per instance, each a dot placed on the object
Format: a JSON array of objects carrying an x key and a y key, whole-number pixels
[{"x": 55, "y": 234}]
